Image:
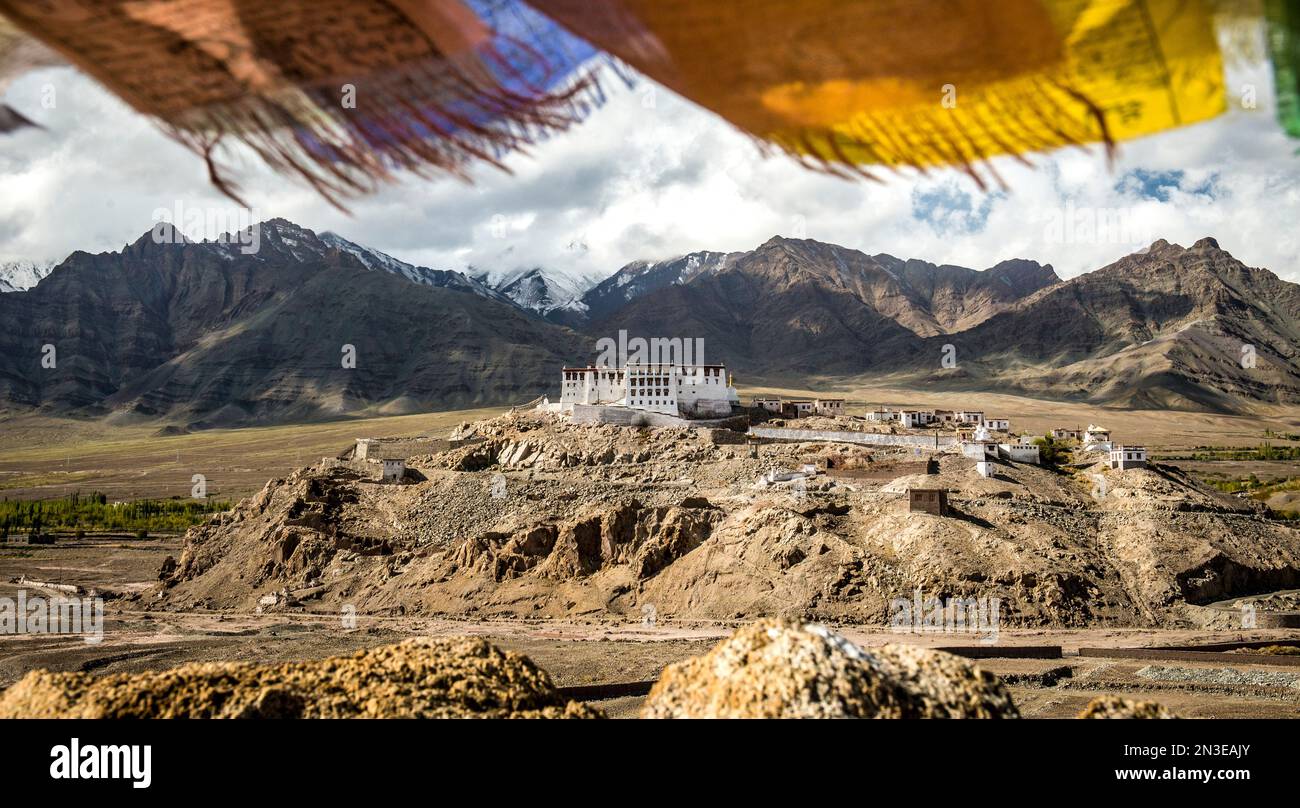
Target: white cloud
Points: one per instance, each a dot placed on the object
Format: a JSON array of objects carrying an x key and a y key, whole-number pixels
[{"x": 636, "y": 182}]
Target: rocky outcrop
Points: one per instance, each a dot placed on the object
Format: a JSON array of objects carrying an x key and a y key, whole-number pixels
[
  {"x": 297, "y": 520},
  {"x": 424, "y": 678},
  {"x": 646, "y": 539},
  {"x": 681, "y": 524},
  {"x": 1120, "y": 707},
  {"x": 780, "y": 669},
  {"x": 526, "y": 441}
]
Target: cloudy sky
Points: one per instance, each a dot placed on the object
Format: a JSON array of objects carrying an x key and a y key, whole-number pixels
[{"x": 652, "y": 176}]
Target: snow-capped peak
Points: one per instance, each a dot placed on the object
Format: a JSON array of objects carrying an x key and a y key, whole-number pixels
[
  {"x": 16, "y": 276},
  {"x": 373, "y": 259}
]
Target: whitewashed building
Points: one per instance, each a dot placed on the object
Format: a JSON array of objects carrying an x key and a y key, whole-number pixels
[
  {"x": 692, "y": 390},
  {"x": 985, "y": 468},
  {"x": 968, "y": 416},
  {"x": 1018, "y": 452},
  {"x": 831, "y": 407},
  {"x": 998, "y": 424},
  {"x": 769, "y": 403},
  {"x": 914, "y": 418},
  {"x": 394, "y": 469},
  {"x": 1128, "y": 457},
  {"x": 1095, "y": 434},
  {"x": 882, "y": 415},
  {"x": 980, "y": 450}
]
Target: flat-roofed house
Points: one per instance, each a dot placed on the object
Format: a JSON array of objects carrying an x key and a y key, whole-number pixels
[
  {"x": 1096, "y": 434},
  {"x": 831, "y": 407},
  {"x": 980, "y": 449},
  {"x": 1128, "y": 457},
  {"x": 797, "y": 409},
  {"x": 969, "y": 416},
  {"x": 1018, "y": 452},
  {"x": 998, "y": 424},
  {"x": 927, "y": 500},
  {"x": 914, "y": 418},
  {"x": 769, "y": 403},
  {"x": 394, "y": 469}
]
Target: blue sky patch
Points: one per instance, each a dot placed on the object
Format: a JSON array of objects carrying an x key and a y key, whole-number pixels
[{"x": 948, "y": 209}]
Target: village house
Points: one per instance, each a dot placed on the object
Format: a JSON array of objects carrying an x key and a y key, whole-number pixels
[
  {"x": 927, "y": 500},
  {"x": 913, "y": 419},
  {"x": 394, "y": 469},
  {"x": 1128, "y": 457},
  {"x": 980, "y": 449},
  {"x": 882, "y": 415},
  {"x": 1096, "y": 439},
  {"x": 944, "y": 416},
  {"x": 364, "y": 447},
  {"x": 769, "y": 403},
  {"x": 968, "y": 417},
  {"x": 1096, "y": 434},
  {"x": 796, "y": 409},
  {"x": 1067, "y": 434},
  {"x": 1019, "y": 452},
  {"x": 985, "y": 468},
  {"x": 831, "y": 407},
  {"x": 702, "y": 391},
  {"x": 998, "y": 424}
]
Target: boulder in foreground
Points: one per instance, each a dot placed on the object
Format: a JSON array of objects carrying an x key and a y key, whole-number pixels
[
  {"x": 1119, "y": 707},
  {"x": 459, "y": 677},
  {"x": 779, "y": 669}
]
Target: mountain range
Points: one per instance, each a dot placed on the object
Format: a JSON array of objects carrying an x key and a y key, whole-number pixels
[
  {"x": 204, "y": 334},
  {"x": 201, "y": 334}
]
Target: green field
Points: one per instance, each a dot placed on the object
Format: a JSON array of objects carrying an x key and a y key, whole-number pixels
[{"x": 95, "y": 513}]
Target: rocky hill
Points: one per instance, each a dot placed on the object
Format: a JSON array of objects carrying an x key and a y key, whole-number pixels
[
  {"x": 549, "y": 519},
  {"x": 1170, "y": 327}
]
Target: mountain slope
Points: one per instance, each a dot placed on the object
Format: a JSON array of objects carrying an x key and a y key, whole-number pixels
[
  {"x": 1166, "y": 327},
  {"x": 640, "y": 278},
  {"x": 795, "y": 305},
  {"x": 203, "y": 334},
  {"x": 374, "y": 259},
  {"x": 551, "y": 295}
]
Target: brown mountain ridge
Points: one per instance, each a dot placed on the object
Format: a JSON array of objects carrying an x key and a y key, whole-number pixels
[{"x": 200, "y": 334}]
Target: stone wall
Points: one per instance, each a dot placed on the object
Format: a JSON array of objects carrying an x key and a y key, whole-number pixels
[
  {"x": 846, "y": 436},
  {"x": 624, "y": 416}
]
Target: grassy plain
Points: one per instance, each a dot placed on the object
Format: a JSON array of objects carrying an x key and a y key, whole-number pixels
[{"x": 51, "y": 457}]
